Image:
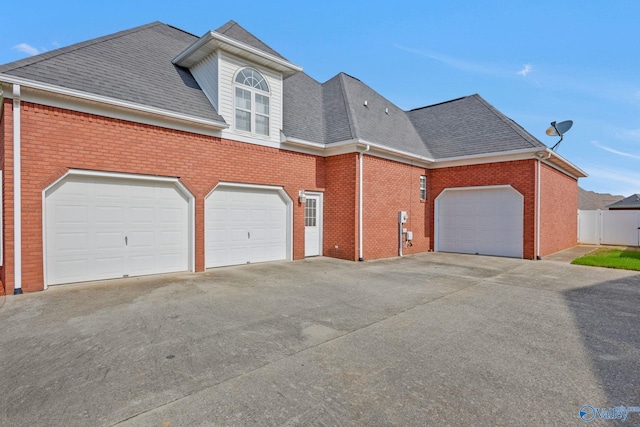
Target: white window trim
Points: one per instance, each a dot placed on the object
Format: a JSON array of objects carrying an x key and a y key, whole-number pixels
[{"x": 253, "y": 111}]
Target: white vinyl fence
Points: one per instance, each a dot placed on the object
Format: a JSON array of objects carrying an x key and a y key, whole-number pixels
[{"x": 609, "y": 227}]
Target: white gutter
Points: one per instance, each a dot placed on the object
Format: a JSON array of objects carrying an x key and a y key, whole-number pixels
[
  {"x": 110, "y": 101},
  {"x": 360, "y": 204},
  {"x": 540, "y": 157},
  {"x": 17, "y": 194}
]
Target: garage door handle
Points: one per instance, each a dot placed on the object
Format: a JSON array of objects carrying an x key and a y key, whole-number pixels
[
  {"x": 248, "y": 234},
  {"x": 126, "y": 240}
]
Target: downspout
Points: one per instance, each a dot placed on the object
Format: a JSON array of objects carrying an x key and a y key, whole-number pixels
[
  {"x": 17, "y": 194},
  {"x": 540, "y": 157},
  {"x": 360, "y": 249}
]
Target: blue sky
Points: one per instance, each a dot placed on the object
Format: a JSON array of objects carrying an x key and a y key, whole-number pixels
[{"x": 536, "y": 61}]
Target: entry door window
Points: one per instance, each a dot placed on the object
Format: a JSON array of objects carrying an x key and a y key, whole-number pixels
[{"x": 310, "y": 213}]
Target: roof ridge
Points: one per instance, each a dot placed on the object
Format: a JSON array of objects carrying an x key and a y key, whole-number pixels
[
  {"x": 264, "y": 47},
  {"x": 439, "y": 103},
  {"x": 351, "y": 116},
  {"x": 507, "y": 120},
  {"x": 21, "y": 63}
]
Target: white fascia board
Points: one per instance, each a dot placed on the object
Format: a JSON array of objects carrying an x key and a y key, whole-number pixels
[
  {"x": 565, "y": 165},
  {"x": 504, "y": 156},
  {"x": 377, "y": 150},
  {"x": 99, "y": 99},
  {"x": 213, "y": 40},
  {"x": 354, "y": 146}
]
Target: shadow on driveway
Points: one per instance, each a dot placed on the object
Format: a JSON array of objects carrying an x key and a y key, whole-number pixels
[{"x": 607, "y": 316}]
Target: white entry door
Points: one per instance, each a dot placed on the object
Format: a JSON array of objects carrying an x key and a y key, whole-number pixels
[
  {"x": 245, "y": 225},
  {"x": 480, "y": 220},
  {"x": 313, "y": 225},
  {"x": 102, "y": 228}
]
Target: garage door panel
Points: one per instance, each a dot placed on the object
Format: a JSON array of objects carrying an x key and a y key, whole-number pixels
[
  {"x": 106, "y": 267},
  {"x": 141, "y": 215},
  {"x": 483, "y": 221},
  {"x": 71, "y": 269},
  {"x": 71, "y": 215},
  {"x": 70, "y": 242},
  {"x": 109, "y": 240},
  {"x": 108, "y": 191},
  {"x": 140, "y": 221},
  {"x": 171, "y": 216},
  {"x": 109, "y": 214},
  {"x": 142, "y": 240}
]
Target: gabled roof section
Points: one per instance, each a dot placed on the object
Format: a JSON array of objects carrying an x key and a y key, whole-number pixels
[
  {"x": 133, "y": 66},
  {"x": 631, "y": 202},
  {"x": 374, "y": 118},
  {"x": 235, "y": 31},
  {"x": 337, "y": 117},
  {"x": 234, "y": 39},
  {"x": 469, "y": 126}
]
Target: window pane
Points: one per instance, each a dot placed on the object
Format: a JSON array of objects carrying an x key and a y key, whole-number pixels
[
  {"x": 262, "y": 125},
  {"x": 243, "y": 99},
  {"x": 310, "y": 213},
  {"x": 262, "y": 104},
  {"x": 423, "y": 187},
  {"x": 252, "y": 78},
  {"x": 243, "y": 120}
]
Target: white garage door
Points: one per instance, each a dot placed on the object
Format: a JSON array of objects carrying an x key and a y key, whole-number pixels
[
  {"x": 485, "y": 221},
  {"x": 245, "y": 225},
  {"x": 101, "y": 228}
]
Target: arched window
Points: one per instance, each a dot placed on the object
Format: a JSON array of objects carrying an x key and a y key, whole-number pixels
[{"x": 252, "y": 102}]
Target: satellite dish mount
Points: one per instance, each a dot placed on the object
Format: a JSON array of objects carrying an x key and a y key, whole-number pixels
[{"x": 559, "y": 129}]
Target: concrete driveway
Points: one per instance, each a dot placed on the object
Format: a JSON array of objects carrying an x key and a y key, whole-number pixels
[{"x": 430, "y": 339}]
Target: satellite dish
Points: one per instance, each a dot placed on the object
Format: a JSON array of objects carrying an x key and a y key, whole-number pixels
[{"x": 559, "y": 129}]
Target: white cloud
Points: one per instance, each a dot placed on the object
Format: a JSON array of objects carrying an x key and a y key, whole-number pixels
[
  {"x": 26, "y": 48},
  {"x": 526, "y": 69},
  {"x": 629, "y": 134},
  {"x": 618, "y": 181},
  {"x": 611, "y": 150},
  {"x": 453, "y": 62}
]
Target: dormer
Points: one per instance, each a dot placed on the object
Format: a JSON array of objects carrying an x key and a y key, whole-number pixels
[{"x": 242, "y": 78}]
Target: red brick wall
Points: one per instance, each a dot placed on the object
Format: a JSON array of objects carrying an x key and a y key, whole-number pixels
[
  {"x": 558, "y": 210},
  {"x": 54, "y": 140},
  {"x": 340, "y": 214},
  {"x": 520, "y": 174},
  {"x": 390, "y": 187}
]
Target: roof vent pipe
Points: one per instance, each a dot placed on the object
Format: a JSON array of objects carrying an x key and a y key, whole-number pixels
[{"x": 365, "y": 103}]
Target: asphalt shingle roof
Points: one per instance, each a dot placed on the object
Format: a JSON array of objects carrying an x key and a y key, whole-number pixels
[
  {"x": 233, "y": 30},
  {"x": 631, "y": 202},
  {"x": 302, "y": 110},
  {"x": 132, "y": 65},
  {"x": 468, "y": 126},
  {"x": 380, "y": 121},
  {"x": 136, "y": 66}
]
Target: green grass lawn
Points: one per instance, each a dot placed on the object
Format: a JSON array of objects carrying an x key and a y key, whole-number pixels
[{"x": 628, "y": 259}]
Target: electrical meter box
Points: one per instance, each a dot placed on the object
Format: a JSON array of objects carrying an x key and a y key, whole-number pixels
[
  {"x": 402, "y": 217},
  {"x": 409, "y": 236}
]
